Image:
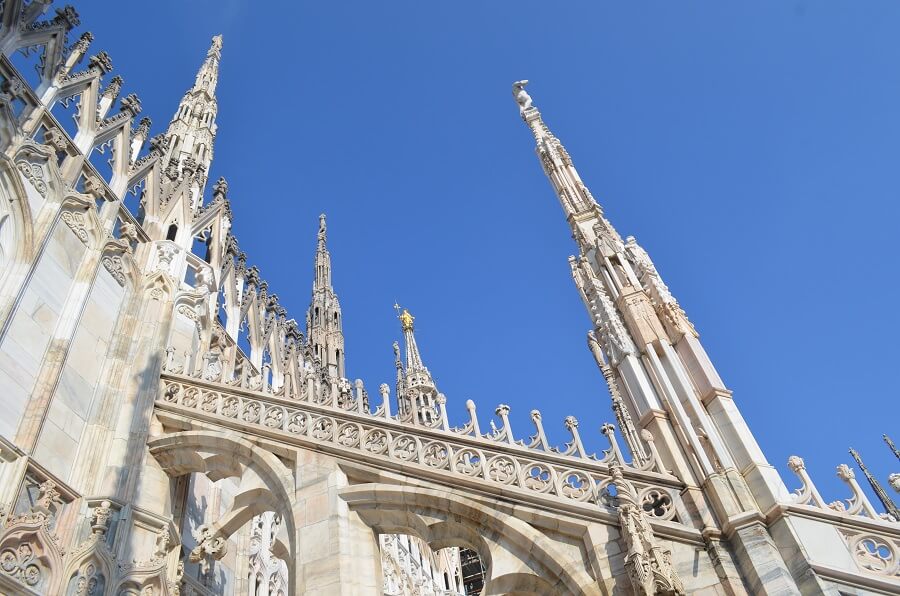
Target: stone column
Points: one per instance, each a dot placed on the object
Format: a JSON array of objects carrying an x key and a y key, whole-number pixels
[{"x": 338, "y": 553}]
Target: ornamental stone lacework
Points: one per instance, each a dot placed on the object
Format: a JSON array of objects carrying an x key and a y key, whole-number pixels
[
  {"x": 345, "y": 426},
  {"x": 169, "y": 430}
]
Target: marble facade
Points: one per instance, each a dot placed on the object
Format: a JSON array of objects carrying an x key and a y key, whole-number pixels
[{"x": 168, "y": 429}]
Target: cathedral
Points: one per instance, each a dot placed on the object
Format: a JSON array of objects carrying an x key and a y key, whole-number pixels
[{"x": 169, "y": 429}]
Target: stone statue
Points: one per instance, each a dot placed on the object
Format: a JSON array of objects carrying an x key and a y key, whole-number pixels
[{"x": 522, "y": 97}]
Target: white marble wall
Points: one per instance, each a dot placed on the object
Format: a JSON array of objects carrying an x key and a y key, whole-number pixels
[
  {"x": 71, "y": 405},
  {"x": 34, "y": 323}
]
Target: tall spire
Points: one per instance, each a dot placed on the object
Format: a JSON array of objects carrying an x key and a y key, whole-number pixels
[
  {"x": 413, "y": 358},
  {"x": 644, "y": 344},
  {"x": 324, "y": 326},
  {"x": 575, "y": 198},
  {"x": 419, "y": 388},
  {"x": 879, "y": 491},
  {"x": 192, "y": 131}
]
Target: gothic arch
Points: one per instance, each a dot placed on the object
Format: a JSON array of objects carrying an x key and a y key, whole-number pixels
[
  {"x": 519, "y": 584},
  {"x": 31, "y": 556},
  {"x": 16, "y": 233},
  {"x": 79, "y": 212},
  {"x": 91, "y": 563},
  {"x": 267, "y": 484},
  {"x": 116, "y": 256},
  {"x": 141, "y": 581},
  {"x": 442, "y": 518}
]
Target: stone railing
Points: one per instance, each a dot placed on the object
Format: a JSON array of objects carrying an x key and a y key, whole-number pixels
[
  {"x": 313, "y": 387},
  {"x": 856, "y": 505},
  {"x": 871, "y": 538},
  {"x": 452, "y": 456}
]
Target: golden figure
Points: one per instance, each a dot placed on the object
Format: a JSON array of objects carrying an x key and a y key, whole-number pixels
[{"x": 406, "y": 320}]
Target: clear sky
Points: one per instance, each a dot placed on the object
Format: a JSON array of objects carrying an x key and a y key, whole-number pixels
[{"x": 752, "y": 149}]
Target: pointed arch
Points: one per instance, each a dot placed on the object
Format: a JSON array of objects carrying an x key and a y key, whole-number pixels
[
  {"x": 90, "y": 564},
  {"x": 515, "y": 552},
  {"x": 16, "y": 234},
  {"x": 266, "y": 482},
  {"x": 79, "y": 212},
  {"x": 117, "y": 257},
  {"x": 34, "y": 556}
]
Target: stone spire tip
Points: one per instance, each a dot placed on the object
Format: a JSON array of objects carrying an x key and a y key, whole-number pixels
[{"x": 216, "y": 46}]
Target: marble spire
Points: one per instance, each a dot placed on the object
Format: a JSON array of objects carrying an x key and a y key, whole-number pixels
[
  {"x": 420, "y": 391},
  {"x": 324, "y": 319},
  {"x": 192, "y": 131}
]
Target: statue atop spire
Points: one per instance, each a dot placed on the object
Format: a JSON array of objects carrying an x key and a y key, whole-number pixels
[
  {"x": 216, "y": 48},
  {"x": 419, "y": 398},
  {"x": 573, "y": 195},
  {"x": 406, "y": 320},
  {"x": 522, "y": 97}
]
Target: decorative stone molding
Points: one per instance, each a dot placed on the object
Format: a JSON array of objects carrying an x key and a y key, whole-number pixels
[
  {"x": 649, "y": 566},
  {"x": 34, "y": 174},
  {"x": 209, "y": 544},
  {"x": 76, "y": 222},
  {"x": 116, "y": 268},
  {"x": 874, "y": 553},
  {"x": 56, "y": 139},
  {"x": 567, "y": 474}
]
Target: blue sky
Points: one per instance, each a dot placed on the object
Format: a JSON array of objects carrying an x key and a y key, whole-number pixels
[{"x": 751, "y": 148}]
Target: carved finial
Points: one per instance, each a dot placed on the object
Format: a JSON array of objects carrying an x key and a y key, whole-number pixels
[
  {"x": 220, "y": 188},
  {"x": 795, "y": 463},
  {"x": 114, "y": 86},
  {"x": 100, "y": 61},
  {"x": 130, "y": 103},
  {"x": 189, "y": 165},
  {"x": 68, "y": 17},
  {"x": 143, "y": 128},
  {"x": 323, "y": 230},
  {"x": 100, "y": 519},
  {"x": 844, "y": 472},
  {"x": 159, "y": 144},
  {"x": 571, "y": 422},
  {"x": 83, "y": 43}
]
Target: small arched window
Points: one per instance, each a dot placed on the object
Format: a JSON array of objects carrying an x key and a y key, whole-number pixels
[{"x": 172, "y": 233}]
